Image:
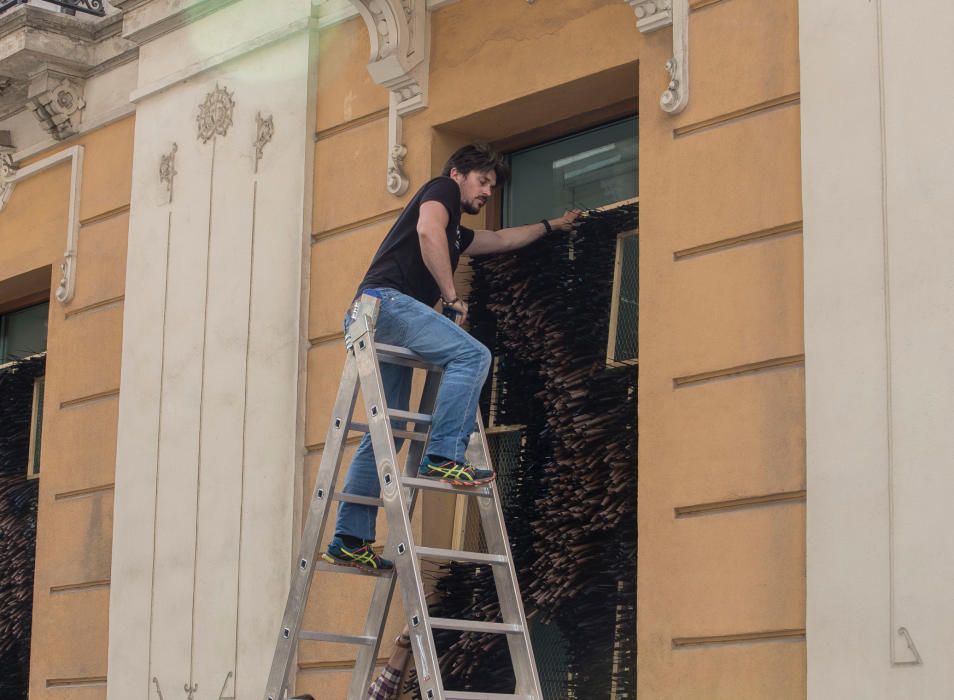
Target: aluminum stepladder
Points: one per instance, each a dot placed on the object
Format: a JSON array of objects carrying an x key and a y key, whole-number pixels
[{"x": 399, "y": 490}]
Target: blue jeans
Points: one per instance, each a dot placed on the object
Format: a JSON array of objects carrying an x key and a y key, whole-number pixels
[{"x": 408, "y": 323}]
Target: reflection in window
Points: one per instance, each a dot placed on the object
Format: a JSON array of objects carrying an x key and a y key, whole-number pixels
[
  {"x": 23, "y": 332},
  {"x": 583, "y": 171}
]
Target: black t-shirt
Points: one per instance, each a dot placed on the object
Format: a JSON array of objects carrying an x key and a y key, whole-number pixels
[{"x": 398, "y": 264}]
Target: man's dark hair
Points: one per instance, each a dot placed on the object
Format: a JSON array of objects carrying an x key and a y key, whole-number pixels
[{"x": 479, "y": 157}]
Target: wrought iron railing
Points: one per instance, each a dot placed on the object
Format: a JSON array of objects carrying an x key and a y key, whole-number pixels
[{"x": 90, "y": 7}]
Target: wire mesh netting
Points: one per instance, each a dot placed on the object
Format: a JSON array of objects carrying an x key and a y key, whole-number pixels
[
  {"x": 18, "y": 503},
  {"x": 624, "y": 326}
]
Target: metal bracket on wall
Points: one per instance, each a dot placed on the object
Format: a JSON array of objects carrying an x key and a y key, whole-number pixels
[
  {"x": 400, "y": 59},
  {"x": 656, "y": 14}
]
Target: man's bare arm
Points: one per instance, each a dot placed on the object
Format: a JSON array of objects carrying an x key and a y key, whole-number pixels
[
  {"x": 431, "y": 230},
  {"x": 507, "y": 239}
]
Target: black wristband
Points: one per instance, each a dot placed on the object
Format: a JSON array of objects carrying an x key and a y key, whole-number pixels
[
  {"x": 547, "y": 226},
  {"x": 447, "y": 302}
]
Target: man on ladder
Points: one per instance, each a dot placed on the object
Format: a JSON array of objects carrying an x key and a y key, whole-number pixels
[{"x": 413, "y": 269}]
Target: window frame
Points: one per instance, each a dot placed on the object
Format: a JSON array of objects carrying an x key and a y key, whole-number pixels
[
  {"x": 36, "y": 428},
  {"x": 611, "y": 359}
]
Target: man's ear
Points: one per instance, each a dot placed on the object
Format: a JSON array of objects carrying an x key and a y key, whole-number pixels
[{"x": 454, "y": 173}]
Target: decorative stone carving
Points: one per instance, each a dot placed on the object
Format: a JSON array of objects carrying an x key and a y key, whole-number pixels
[
  {"x": 397, "y": 178},
  {"x": 265, "y": 131},
  {"x": 652, "y": 14},
  {"x": 656, "y": 14},
  {"x": 400, "y": 59},
  {"x": 915, "y": 659},
  {"x": 7, "y": 171},
  {"x": 167, "y": 169},
  {"x": 57, "y": 101},
  {"x": 215, "y": 114}
]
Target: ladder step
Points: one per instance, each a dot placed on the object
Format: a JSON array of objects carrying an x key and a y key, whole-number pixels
[
  {"x": 337, "y": 638},
  {"x": 446, "y": 623},
  {"x": 394, "y": 355},
  {"x": 406, "y": 434},
  {"x": 459, "y": 555},
  {"x": 360, "y": 500},
  {"x": 421, "y": 418},
  {"x": 418, "y": 483},
  {"x": 464, "y": 695},
  {"x": 322, "y": 565}
]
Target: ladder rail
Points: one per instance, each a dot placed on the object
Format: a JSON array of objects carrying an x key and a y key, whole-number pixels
[
  {"x": 406, "y": 563},
  {"x": 505, "y": 576},
  {"x": 303, "y": 571},
  {"x": 384, "y": 589}
]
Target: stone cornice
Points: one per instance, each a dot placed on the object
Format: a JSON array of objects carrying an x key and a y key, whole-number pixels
[
  {"x": 36, "y": 44},
  {"x": 146, "y": 20}
]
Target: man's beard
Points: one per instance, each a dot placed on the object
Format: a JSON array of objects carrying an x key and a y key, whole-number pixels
[{"x": 470, "y": 207}]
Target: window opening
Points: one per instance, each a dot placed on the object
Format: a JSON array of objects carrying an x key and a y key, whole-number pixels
[
  {"x": 584, "y": 171},
  {"x": 23, "y": 332}
]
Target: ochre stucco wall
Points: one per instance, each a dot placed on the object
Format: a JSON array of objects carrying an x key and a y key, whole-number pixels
[
  {"x": 721, "y": 576},
  {"x": 721, "y": 403},
  {"x": 74, "y": 531}
]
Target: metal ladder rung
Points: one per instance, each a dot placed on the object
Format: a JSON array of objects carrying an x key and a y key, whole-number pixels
[
  {"x": 322, "y": 565},
  {"x": 464, "y": 695},
  {"x": 460, "y": 555},
  {"x": 360, "y": 500},
  {"x": 394, "y": 355},
  {"x": 421, "y": 418},
  {"x": 446, "y": 623},
  {"x": 406, "y": 434},
  {"x": 417, "y": 483},
  {"x": 337, "y": 638}
]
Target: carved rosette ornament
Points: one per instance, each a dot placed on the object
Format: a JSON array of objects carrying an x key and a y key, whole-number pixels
[
  {"x": 58, "y": 107},
  {"x": 656, "y": 14},
  {"x": 215, "y": 114},
  {"x": 265, "y": 130},
  {"x": 400, "y": 59}
]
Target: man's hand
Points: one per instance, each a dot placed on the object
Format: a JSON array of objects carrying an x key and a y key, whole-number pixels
[
  {"x": 459, "y": 308},
  {"x": 567, "y": 222}
]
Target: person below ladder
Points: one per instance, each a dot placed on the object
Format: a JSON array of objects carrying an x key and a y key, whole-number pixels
[{"x": 412, "y": 270}]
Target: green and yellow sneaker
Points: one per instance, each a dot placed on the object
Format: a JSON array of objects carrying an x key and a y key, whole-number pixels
[
  {"x": 455, "y": 473},
  {"x": 362, "y": 557}
]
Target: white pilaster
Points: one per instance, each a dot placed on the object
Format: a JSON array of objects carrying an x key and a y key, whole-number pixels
[
  {"x": 210, "y": 435},
  {"x": 877, "y": 173}
]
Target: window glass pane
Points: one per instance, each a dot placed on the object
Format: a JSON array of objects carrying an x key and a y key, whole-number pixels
[
  {"x": 24, "y": 332},
  {"x": 583, "y": 171}
]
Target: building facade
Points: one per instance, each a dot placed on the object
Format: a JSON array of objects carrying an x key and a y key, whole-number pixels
[{"x": 219, "y": 174}]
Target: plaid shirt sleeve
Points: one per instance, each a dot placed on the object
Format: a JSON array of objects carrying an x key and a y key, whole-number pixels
[{"x": 386, "y": 685}]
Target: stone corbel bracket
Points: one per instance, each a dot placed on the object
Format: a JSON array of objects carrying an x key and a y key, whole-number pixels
[
  {"x": 57, "y": 101},
  {"x": 400, "y": 59},
  {"x": 656, "y": 14},
  {"x": 10, "y": 175}
]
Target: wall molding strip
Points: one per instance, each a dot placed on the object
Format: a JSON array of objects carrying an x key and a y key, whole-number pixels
[
  {"x": 736, "y": 504},
  {"x": 760, "y": 108},
  {"x": 749, "y": 368},
  {"x": 736, "y": 241}
]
